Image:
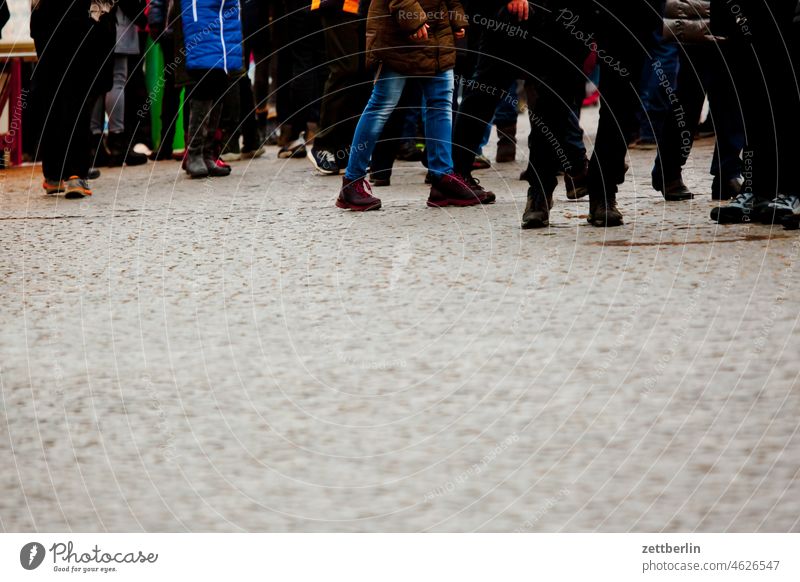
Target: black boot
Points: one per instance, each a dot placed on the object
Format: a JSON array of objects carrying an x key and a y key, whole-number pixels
[
  {"x": 603, "y": 210},
  {"x": 727, "y": 189},
  {"x": 673, "y": 190},
  {"x": 576, "y": 180},
  {"x": 209, "y": 153},
  {"x": 119, "y": 152},
  {"x": 537, "y": 209},
  {"x": 98, "y": 154},
  {"x": 195, "y": 165}
]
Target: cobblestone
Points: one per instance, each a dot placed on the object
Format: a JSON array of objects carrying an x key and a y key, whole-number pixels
[{"x": 239, "y": 355}]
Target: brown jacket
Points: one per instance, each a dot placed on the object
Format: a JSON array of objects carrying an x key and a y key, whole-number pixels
[
  {"x": 391, "y": 24},
  {"x": 688, "y": 21}
]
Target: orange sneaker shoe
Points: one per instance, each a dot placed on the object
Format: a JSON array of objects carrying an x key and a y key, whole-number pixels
[
  {"x": 52, "y": 187},
  {"x": 76, "y": 187}
]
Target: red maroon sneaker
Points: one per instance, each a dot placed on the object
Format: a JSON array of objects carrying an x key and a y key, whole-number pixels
[
  {"x": 485, "y": 195},
  {"x": 357, "y": 195},
  {"x": 452, "y": 190}
]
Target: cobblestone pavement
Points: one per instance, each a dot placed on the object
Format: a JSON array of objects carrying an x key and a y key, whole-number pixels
[{"x": 238, "y": 355}]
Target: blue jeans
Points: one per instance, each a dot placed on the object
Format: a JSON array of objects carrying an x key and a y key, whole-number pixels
[
  {"x": 438, "y": 92},
  {"x": 655, "y": 100},
  {"x": 505, "y": 115}
]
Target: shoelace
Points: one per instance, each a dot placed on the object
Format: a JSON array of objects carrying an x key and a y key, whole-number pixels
[
  {"x": 785, "y": 200},
  {"x": 364, "y": 190},
  {"x": 461, "y": 179},
  {"x": 474, "y": 182}
]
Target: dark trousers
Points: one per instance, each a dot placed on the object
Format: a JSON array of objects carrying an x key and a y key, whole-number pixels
[
  {"x": 239, "y": 115},
  {"x": 300, "y": 67},
  {"x": 500, "y": 60},
  {"x": 764, "y": 75},
  {"x": 257, "y": 42},
  {"x": 551, "y": 61},
  {"x": 703, "y": 70},
  {"x": 625, "y": 40},
  {"x": 62, "y": 96},
  {"x": 348, "y": 86}
]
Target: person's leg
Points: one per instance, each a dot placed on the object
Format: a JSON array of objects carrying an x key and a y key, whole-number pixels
[
  {"x": 550, "y": 113},
  {"x": 494, "y": 72},
  {"x": 98, "y": 117},
  {"x": 205, "y": 102},
  {"x": 251, "y": 141},
  {"x": 119, "y": 141},
  {"x": 303, "y": 29},
  {"x": 230, "y": 124},
  {"x": 115, "y": 99},
  {"x": 505, "y": 119},
  {"x": 438, "y": 92},
  {"x": 661, "y": 68},
  {"x": 677, "y": 134},
  {"x": 575, "y": 175},
  {"x": 76, "y": 159},
  {"x": 347, "y": 86},
  {"x": 726, "y": 165},
  {"x": 623, "y": 40},
  {"x": 391, "y": 139},
  {"x": 762, "y": 67},
  {"x": 386, "y": 94}
]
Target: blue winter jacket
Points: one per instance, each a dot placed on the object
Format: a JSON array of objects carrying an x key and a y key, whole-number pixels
[{"x": 212, "y": 34}]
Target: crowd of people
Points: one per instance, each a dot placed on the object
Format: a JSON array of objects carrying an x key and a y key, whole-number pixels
[{"x": 352, "y": 85}]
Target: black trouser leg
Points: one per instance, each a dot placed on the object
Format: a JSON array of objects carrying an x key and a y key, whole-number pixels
[
  {"x": 618, "y": 116},
  {"x": 677, "y": 138},
  {"x": 494, "y": 73},
  {"x": 247, "y": 111},
  {"x": 230, "y": 118},
  {"x": 347, "y": 88},
  {"x": 61, "y": 82}
]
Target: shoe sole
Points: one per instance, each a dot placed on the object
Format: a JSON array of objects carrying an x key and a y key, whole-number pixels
[
  {"x": 791, "y": 222},
  {"x": 606, "y": 224},
  {"x": 357, "y": 208},
  {"x": 439, "y": 200},
  {"x": 531, "y": 224},
  {"x": 51, "y": 190},
  {"x": 253, "y": 154},
  {"x": 453, "y": 202},
  {"x": 74, "y": 194},
  {"x": 774, "y": 217},
  {"x": 380, "y": 183},
  {"x": 737, "y": 217}
]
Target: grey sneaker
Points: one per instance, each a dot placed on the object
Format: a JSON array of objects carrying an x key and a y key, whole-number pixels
[
  {"x": 782, "y": 206},
  {"x": 740, "y": 209},
  {"x": 76, "y": 187}
]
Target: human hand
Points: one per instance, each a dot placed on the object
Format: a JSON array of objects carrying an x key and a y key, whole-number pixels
[
  {"x": 422, "y": 33},
  {"x": 519, "y": 8}
]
